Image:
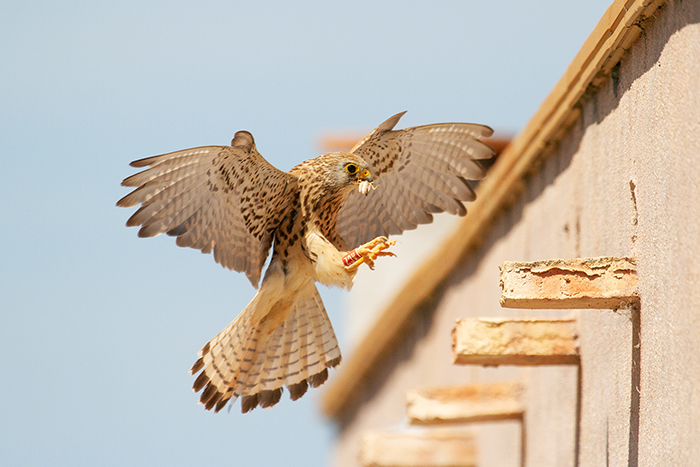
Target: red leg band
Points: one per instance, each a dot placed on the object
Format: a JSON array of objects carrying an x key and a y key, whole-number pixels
[{"x": 351, "y": 258}]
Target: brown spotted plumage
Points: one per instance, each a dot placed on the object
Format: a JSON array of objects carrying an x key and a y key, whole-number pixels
[{"x": 230, "y": 201}]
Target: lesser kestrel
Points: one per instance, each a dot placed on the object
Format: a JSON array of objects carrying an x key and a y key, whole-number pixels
[{"x": 321, "y": 220}]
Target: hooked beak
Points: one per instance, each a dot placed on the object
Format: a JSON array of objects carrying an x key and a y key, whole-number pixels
[{"x": 365, "y": 176}]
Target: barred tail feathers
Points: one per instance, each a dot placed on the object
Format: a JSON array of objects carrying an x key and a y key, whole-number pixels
[
  {"x": 249, "y": 362},
  {"x": 222, "y": 361}
]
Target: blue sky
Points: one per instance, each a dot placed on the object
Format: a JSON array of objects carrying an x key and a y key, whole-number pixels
[{"x": 98, "y": 328}]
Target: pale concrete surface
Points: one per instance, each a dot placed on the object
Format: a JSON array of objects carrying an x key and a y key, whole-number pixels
[{"x": 622, "y": 181}]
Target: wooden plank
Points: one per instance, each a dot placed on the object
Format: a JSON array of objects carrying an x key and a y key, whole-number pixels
[
  {"x": 574, "y": 283},
  {"x": 470, "y": 403},
  {"x": 500, "y": 188},
  {"x": 434, "y": 448},
  {"x": 514, "y": 342}
]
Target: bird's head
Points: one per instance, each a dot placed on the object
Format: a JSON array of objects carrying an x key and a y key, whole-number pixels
[
  {"x": 334, "y": 175},
  {"x": 347, "y": 170},
  {"x": 355, "y": 169}
]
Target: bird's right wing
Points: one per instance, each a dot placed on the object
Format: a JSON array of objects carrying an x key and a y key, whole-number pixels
[
  {"x": 417, "y": 171},
  {"x": 225, "y": 199}
]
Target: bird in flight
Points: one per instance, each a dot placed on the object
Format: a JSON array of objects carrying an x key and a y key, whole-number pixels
[{"x": 322, "y": 220}]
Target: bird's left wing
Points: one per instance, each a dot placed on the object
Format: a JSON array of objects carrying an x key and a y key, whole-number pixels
[
  {"x": 225, "y": 199},
  {"x": 417, "y": 172}
]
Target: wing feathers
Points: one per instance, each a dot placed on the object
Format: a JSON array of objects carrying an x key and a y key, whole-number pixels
[
  {"x": 418, "y": 171},
  {"x": 228, "y": 199}
]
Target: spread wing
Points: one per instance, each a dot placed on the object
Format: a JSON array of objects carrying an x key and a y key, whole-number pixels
[
  {"x": 225, "y": 199},
  {"x": 417, "y": 172}
]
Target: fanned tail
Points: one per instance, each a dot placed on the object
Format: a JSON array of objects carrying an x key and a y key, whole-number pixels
[{"x": 244, "y": 360}]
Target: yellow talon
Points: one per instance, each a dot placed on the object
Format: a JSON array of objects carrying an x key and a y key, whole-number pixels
[{"x": 367, "y": 253}]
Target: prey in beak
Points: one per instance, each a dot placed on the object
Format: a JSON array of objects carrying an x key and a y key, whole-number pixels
[{"x": 365, "y": 183}]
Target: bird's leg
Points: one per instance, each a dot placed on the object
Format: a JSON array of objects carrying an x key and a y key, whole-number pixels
[{"x": 367, "y": 253}]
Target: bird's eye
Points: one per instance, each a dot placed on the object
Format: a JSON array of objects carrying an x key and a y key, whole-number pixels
[{"x": 351, "y": 169}]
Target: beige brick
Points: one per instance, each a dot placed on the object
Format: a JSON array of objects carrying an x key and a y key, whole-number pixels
[
  {"x": 514, "y": 342},
  {"x": 434, "y": 448},
  {"x": 470, "y": 403},
  {"x": 575, "y": 283}
]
